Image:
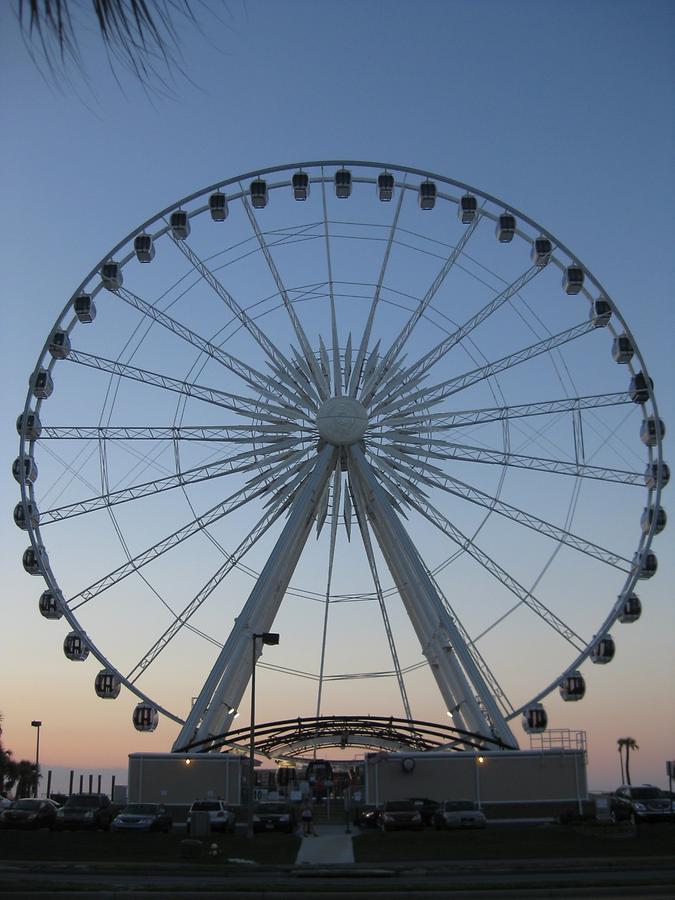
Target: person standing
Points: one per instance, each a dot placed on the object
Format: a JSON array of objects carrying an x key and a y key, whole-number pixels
[{"x": 307, "y": 816}]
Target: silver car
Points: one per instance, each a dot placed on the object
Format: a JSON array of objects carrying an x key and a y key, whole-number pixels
[
  {"x": 459, "y": 814},
  {"x": 221, "y": 817}
]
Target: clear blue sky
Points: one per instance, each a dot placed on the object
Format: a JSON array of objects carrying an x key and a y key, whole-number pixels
[{"x": 565, "y": 110}]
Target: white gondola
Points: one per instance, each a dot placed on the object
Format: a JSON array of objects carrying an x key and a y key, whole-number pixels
[
  {"x": 601, "y": 313},
  {"x": 50, "y": 605},
  {"x": 651, "y": 430},
  {"x": 631, "y": 610},
  {"x": 655, "y": 473},
  {"x": 572, "y": 687},
  {"x": 107, "y": 684},
  {"x": 85, "y": 309},
  {"x": 144, "y": 248},
  {"x": 29, "y": 426},
  {"x": 649, "y": 513},
  {"x": 505, "y": 228},
  {"x": 467, "y": 209},
  {"x": 180, "y": 224},
  {"x": 541, "y": 251},
  {"x": 343, "y": 184},
  {"x": 604, "y": 650},
  {"x": 218, "y": 206},
  {"x": 24, "y": 515},
  {"x": 145, "y": 717},
  {"x": 645, "y": 564},
  {"x": 622, "y": 349},
  {"x": 111, "y": 276},
  {"x": 28, "y": 471},
  {"x": 534, "y": 719},
  {"x": 385, "y": 187},
  {"x": 300, "y": 185},
  {"x": 639, "y": 388},
  {"x": 573, "y": 279},
  {"x": 59, "y": 344},
  {"x": 34, "y": 562},
  {"x": 427, "y": 195},
  {"x": 75, "y": 647},
  {"x": 259, "y": 195},
  {"x": 41, "y": 384}
]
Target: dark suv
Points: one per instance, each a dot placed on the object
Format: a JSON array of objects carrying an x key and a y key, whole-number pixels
[
  {"x": 642, "y": 803},
  {"x": 90, "y": 811}
]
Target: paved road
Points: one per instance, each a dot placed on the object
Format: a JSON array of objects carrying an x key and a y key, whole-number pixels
[{"x": 585, "y": 879}]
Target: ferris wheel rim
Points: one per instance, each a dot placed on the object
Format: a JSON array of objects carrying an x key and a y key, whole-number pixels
[{"x": 27, "y": 446}]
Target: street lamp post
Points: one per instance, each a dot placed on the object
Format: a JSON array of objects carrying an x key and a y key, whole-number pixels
[
  {"x": 271, "y": 638},
  {"x": 36, "y": 724}
]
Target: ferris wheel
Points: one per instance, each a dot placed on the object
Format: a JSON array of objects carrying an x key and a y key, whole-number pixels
[{"x": 377, "y": 408}]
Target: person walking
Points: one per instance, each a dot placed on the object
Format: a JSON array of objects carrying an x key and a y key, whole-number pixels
[{"x": 307, "y": 816}]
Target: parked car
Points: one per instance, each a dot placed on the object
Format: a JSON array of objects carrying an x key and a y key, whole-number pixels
[
  {"x": 640, "y": 803},
  {"x": 459, "y": 814},
  {"x": 89, "y": 811},
  {"x": 400, "y": 814},
  {"x": 29, "y": 813},
  {"x": 274, "y": 816},
  {"x": 5, "y": 802},
  {"x": 425, "y": 807},
  {"x": 143, "y": 817},
  {"x": 221, "y": 816},
  {"x": 367, "y": 816}
]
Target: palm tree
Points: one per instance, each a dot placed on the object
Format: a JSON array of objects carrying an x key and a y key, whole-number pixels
[
  {"x": 138, "y": 34},
  {"x": 620, "y": 749},
  {"x": 28, "y": 778},
  {"x": 627, "y": 744}
]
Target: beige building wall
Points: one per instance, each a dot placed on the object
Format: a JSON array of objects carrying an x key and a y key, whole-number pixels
[
  {"x": 501, "y": 777},
  {"x": 171, "y": 779}
]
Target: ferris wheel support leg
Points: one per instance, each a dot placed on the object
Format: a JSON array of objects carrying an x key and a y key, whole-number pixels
[
  {"x": 461, "y": 684},
  {"x": 226, "y": 683}
]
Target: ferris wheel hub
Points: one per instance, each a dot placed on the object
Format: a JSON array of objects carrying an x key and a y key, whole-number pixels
[{"x": 342, "y": 421}]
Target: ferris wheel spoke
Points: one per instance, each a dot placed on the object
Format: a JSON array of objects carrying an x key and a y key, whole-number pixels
[
  {"x": 244, "y": 406},
  {"x": 337, "y": 483},
  {"x": 468, "y": 453},
  {"x": 432, "y": 395},
  {"x": 418, "y": 369},
  {"x": 182, "y": 619},
  {"x": 272, "y": 351},
  {"x": 257, "y": 380},
  {"x": 525, "y": 597},
  {"x": 241, "y": 462},
  {"x": 318, "y": 377},
  {"x": 372, "y": 384},
  {"x": 498, "y": 691},
  {"x": 298, "y": 382},
  {"x": 355, "y": 376},
  {"x": 222, "y": 434},
  {"x": 473, "y": 495},
  {"x": 359, "y": 507},
  {"x": 443, "y": 421},
  {"x": 198, "y": 523},
  {"x": 337, "y": 372}
]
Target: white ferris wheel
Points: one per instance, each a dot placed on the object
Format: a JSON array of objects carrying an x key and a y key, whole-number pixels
[{"x": 372, "y": 406}]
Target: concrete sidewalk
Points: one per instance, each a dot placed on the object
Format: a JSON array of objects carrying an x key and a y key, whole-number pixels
[{"x": 331, "y": 846}]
